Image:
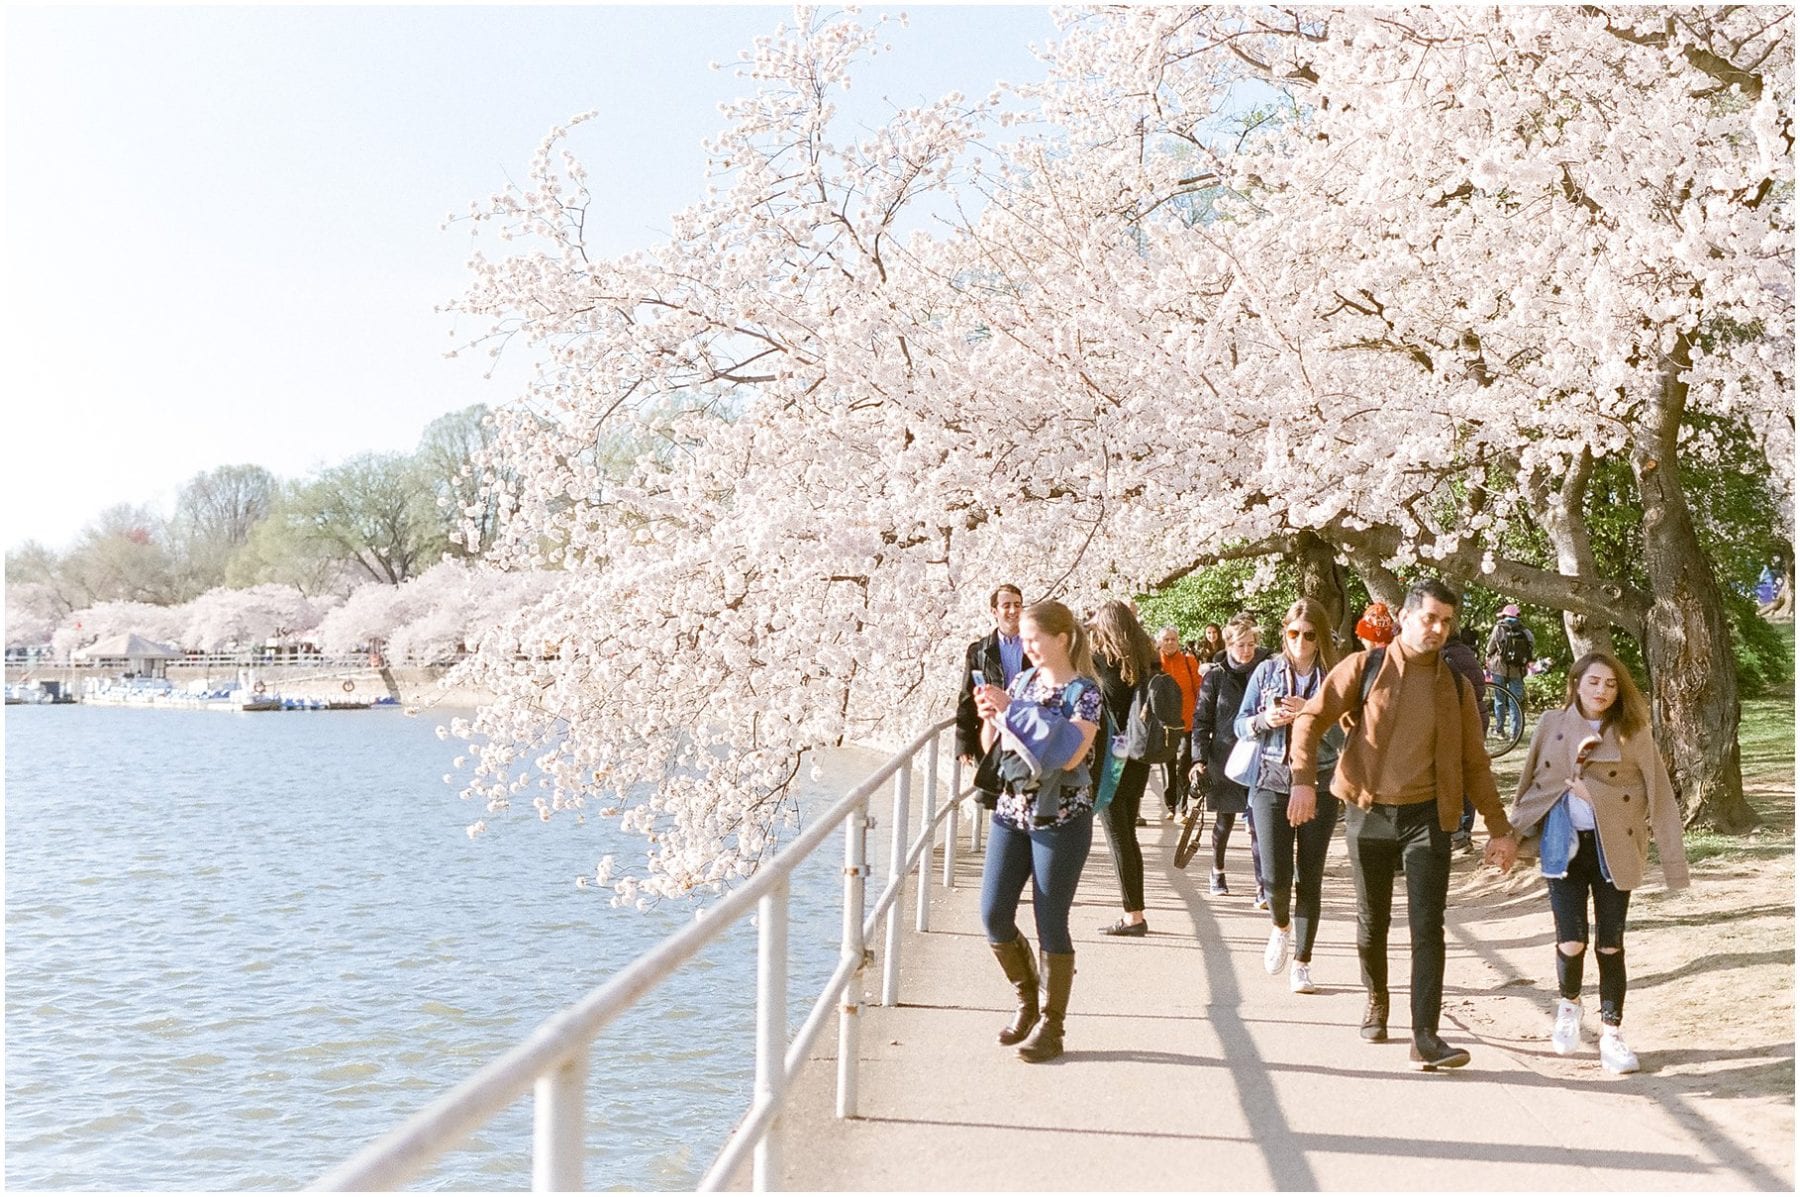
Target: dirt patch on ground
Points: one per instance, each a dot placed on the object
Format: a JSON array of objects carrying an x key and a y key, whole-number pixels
[{"x": 1710, "y": 1010}]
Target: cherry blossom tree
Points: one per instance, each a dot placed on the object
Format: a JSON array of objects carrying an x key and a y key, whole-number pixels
[
  {"x": 1381, "y": 278},
  {"x": 84, "y": 627},
  {"x": 455, "y": 604},
  {"x": 33, "y": 612},
  {"x": 224, "y": 617}
]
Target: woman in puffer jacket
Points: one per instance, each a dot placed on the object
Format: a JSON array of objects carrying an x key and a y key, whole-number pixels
[{"x": 1595, "y": 788}]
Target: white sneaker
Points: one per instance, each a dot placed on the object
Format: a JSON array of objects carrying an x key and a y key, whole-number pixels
[
  {"x": 1614, "y": 1055},
  {"x": 1300, "y": 979},
  {"x": 1275, "y": 956},
  {"x": 1565, "y": 1033}
]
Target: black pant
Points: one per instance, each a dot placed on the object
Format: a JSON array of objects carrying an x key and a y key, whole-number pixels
[
  {"x": 1379, "y": 839},
  {"x": 1569, "y": 907},
  {"x": 1278, "y": 846},
  {"x": 1175, "y": 775},
  {"x": 1121, "y": 816}
]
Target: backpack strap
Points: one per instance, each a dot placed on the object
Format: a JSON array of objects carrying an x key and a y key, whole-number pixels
[{"x": 1372, "y": 666}]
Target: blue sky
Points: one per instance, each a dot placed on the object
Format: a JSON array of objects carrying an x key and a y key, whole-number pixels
[{"x": 222, "y": 223}]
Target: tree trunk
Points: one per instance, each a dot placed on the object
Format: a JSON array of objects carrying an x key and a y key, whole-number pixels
[
  {"x": 1321, "y": 577},
  {"x": 1693, "y": 673},
  {"x": 1559, "y": 509}
]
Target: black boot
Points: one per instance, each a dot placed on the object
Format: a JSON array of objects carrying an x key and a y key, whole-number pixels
[
  {"x": 1375, "y": 1019},
  {"x": 1046, "y": 1041},
  {"x": 1015, "y": 961}
]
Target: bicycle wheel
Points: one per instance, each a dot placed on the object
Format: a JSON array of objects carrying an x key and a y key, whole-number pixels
[
  {"x": 1189, "y": 843},
  {"x": 1506, "y": 724}
]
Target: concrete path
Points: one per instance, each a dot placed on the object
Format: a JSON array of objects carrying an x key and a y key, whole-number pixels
[{"x": 1190, "y": 1068}]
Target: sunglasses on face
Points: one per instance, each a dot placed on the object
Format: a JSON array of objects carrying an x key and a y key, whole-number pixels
[{"x": 1297, "y": 634}]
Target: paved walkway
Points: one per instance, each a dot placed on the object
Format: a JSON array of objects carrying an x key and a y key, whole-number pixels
[{"x": 1190, "y": 1068}]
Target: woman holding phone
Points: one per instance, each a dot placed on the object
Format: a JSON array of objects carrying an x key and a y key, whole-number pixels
[
  {"x": 1595, "y": 788},
  {"x": 1293, "y": 848},
  {"x": 1037, "y": 836}
]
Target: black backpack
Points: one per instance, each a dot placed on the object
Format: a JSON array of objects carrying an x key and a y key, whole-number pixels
[
  {"x": 1515, "y": 644},
  {"x": 1155, "y": 729}
]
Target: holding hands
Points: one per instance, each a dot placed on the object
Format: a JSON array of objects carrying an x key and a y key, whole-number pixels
[{"x": 1501, "y": 851}]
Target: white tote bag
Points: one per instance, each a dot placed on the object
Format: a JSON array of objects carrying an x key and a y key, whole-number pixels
[{"x": 1240, "y": 766}]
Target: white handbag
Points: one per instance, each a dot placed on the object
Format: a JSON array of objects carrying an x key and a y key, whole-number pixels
[{"x": 1240, "y": 766}]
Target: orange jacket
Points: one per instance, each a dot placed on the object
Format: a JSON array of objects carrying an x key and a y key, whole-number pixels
[{"x": 1186, "y": 671}]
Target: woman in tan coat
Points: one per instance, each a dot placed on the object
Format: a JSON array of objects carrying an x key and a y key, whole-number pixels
[{"x": 1595, "y": 788}]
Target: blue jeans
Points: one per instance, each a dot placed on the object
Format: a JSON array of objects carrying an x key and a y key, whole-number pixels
[
  {"x": 1278, "y": 844},
  {"x": 1517, "y": 686},
  {"x": 1052, "y": 859}
]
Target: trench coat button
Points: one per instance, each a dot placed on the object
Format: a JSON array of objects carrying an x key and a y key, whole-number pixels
[
  {"x": 1612, "y": 772},
  {"x": 1559, "y": 735}
]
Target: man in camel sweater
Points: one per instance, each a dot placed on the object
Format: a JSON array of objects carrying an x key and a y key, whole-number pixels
[{"x": 1414, "y": 750}]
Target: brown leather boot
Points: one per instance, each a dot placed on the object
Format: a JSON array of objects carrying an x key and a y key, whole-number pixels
[
  {"x": 1046, "y": 1040},
  {"x": 1015, "y": 961}
]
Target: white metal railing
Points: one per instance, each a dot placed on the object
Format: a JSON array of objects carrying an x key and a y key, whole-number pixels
[{"x": 553, "y": 1060}]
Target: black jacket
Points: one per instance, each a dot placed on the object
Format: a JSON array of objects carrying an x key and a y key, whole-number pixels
[
  {"x": 1215, "y": 711},
  {"x": 983, "y": 654}
]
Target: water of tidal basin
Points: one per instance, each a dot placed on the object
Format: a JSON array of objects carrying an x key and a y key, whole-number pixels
[{"x": 240, "y": 946}]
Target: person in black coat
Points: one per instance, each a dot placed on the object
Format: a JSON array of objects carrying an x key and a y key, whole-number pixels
[
  {"x": 1124, "y": 659},
  {"x": 998, "y": 657},
  {"x": 1215, "y": 710}
]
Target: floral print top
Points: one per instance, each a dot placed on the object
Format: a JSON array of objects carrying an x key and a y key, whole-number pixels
[{"x": 1080, "y": 700}]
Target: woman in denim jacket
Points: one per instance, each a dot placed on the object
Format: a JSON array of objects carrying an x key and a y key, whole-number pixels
[
  {"x": 1292, "y": 854},
  {"x": 1595, "y": 786}
]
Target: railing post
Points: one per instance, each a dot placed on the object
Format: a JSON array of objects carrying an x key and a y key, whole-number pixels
[
  {"x": 856, "y": 872},
  {"x": 771, "y": 1027},
  {"x": 928, "y": 831},
  {"x": 890, "y": 965},
  {"x": 950, "y": 819},
  {"x": 557, "y": 1131}
]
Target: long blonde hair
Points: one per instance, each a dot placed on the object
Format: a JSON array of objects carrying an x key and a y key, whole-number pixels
[
  {"x": 1121, "y": 639},
  {"x": 1052, "y": 617},
  {"x": 1312, "y": 612}
]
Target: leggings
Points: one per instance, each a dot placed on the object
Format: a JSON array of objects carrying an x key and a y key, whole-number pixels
[
  {"x": 1052, "y": 859},
  {"x": 1221, "y": 835},
  {"x": 1569, "y": 907},
  {"x": 1121, "y": 816},
  {"x": 1279, "y": 845}
]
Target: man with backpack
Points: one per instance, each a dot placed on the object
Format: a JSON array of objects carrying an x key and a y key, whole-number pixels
[
  {"x": 1510, "y": 651},
  {"x": 1413, "y": 750}
]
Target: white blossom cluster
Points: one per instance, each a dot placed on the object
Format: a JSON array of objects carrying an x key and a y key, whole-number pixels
[{"x": 1230, "y": 273}]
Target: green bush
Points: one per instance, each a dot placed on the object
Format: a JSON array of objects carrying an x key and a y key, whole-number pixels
[
  {"x": 1215, "y": 594},
  {"x": 1765, "y": 657}
]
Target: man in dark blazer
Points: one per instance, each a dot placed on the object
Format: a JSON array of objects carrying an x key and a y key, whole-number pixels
[{"x": 998, "y": 656}]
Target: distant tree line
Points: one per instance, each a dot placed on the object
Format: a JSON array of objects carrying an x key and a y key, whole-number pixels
[{"x": 376, "y": 517}]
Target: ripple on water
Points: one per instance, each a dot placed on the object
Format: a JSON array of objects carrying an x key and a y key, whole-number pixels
[{"x": 348, "y": 1072}]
